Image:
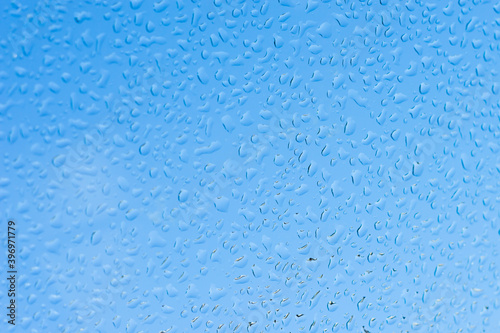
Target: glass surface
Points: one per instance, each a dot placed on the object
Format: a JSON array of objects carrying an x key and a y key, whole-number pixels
[{"x": 250, "y": 166}]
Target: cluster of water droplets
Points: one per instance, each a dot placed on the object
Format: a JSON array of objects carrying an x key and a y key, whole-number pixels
[{"x": 260, "y": 166}]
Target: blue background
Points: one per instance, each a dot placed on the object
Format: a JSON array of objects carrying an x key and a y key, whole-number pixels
[{"x": 252, "y": 166}]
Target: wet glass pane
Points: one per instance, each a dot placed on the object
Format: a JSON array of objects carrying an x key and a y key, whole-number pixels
[{"x": 249, "y": 166}]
